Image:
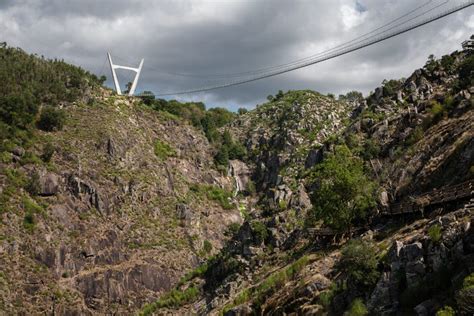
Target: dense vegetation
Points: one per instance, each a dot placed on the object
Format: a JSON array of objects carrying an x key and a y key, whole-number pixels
[
  {"x": 207, "y": 120},
  {"x": 30, "y": 84},
  {"x": 343, "y": 193}
]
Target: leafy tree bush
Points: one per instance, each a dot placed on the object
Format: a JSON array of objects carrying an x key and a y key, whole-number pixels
[
  {"x": 163, "y": 150},
  {"x": 446, "y": 311},
  {"x": 222, "y": 156},
  {"x": 279, "y": 95},
  {"x": 242, "y": 111},
  {"x": 48, "y": 152},
  {"x": 415, "y": 136},
  {"x": 447, "y": 62},
  {"x": 51, "y": 119},
  {"x": 18, "y": 111},
  {"x": 466, "y": 72},
  {"x": 391, "y": 86},
  {"x": 344, "y": 194},
  {"x": 207, "y": 246},
  {"x": 359, "y": 264},
  {"x": 435, "y": 233},
  {"x": 352, "y": 96},
  {"x": 357, "y": 308},
  {"x": 465, "y": 297},
  {"x": 260, "y": 230},
  {"x": 33, "y": 185},
  {"x": 371, "y": 149},
  {"x": 431, "y": 64}
]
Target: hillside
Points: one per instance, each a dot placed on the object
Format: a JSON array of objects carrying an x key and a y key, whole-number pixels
[
  {"x": 306, "y": 205},
  {"x": 322, "y": 166},
  {"x": 108, "y": 209}
]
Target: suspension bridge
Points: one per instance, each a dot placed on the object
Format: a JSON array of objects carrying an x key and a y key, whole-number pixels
[{"x": 427, "y": 12}]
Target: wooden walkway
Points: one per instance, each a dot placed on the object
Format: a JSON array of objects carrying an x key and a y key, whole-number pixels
[
  {"x": 441, "y": 196},
  {"x": 416, "y": 204}
]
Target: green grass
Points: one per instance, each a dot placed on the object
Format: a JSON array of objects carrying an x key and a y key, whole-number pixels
[
  {"x": 269, "y": 285},
  {"x": 435, "y": 233},
  {"x": 31, "y": 210},
  {"x": 197, "y": 272},
  {"x": 163, "y": 150},
  {"x": 214, "y": 193},
  {"x": 173, "y": 299},
  {"x": 357, "y": 308}
]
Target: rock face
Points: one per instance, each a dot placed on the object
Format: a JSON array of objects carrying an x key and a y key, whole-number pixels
[
  {"x": 418, "y": 261},
  {"x": 49, "y": 184},
  {"x": 284, "y": 136},
  {"x": 241, "y": 174},
  {"x": 108, "y": 230}
]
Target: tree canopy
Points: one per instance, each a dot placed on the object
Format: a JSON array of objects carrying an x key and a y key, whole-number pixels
[{"x": 344, "y": 194}]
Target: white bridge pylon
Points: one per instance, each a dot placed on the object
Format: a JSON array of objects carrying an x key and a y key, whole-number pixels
[{"x": 114, "y": 75}]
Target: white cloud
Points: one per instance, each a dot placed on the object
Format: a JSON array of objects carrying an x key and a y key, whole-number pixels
[{"x": 351, "y": 17}]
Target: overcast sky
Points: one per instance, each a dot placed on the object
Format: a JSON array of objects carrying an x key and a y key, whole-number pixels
[{"x": 227, "y": 36}]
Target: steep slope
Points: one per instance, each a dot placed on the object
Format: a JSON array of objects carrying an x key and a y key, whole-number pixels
[
  {"x": 278, "y": 136},
  {"x": 108, "y": 212},
  {"x": 414, "y": 139}
]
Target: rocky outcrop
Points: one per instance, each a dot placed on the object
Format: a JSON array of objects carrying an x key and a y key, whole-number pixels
[
  {"x": 420, "y": 260},
  {"x": 241, "y": 174}
]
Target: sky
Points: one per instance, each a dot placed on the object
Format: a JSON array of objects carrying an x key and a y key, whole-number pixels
[{"x": 208, "y": 37}]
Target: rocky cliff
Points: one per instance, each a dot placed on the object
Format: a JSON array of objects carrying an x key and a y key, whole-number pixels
[
  {"x": 415, "y": 138},
  {"x": 114, "y": 218}
]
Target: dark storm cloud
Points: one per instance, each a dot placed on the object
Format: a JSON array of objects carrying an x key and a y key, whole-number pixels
[{"x": 227, "y": 36}]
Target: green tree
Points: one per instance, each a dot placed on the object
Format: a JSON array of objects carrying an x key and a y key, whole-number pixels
[
  {"x": 222, "y": 156},
  {"x": 279, "y": 95},
  {"x": 359, "y": 263},
  {"x": 466, "y": 72},
  {"x": 51, "y": 119},
  {"x": 242, "y": 111},
  {"x": 431, "y": 64},
  {"x": 343, "y": 194}
]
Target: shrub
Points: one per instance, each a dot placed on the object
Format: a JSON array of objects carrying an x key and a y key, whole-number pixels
[
  {"x": 260, "y": 230},
  {"x": 163, "y": 150},
  {"x": 282, "y": 205},
  {"x": 435, "y": 233},
  {"x": 33, "y": 185},
  {"x": 371, "y": 149},
  {"x": 447, "y": 62},
  {"x": 51, "y": 119},
  {"x": 250, "y": 188},
  {"x": 219, "y": 195},
  {"x": 359, "y": 264},
  {"x": 242, "y": 111},
  {"x": 232, "y": 229},
  {"x": 15, "y": 177},
  {"x": 446, "y": 311},
  {"x": 31, "y": 208},
  {"x": 437, "y": 110},
  {"x": 29, "y": 221},
  {"x": 390, "y": 87},
  {"x": 48, "y": 152},
  {"x": 222, "y": 156},
  {"x": 415, "y": 136},
  {"x": 465, "y": 296},
  {"x": 357, "y": 308},
  {"x": 466, "y": 70},
  {"x": 207, "y": 247}
]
